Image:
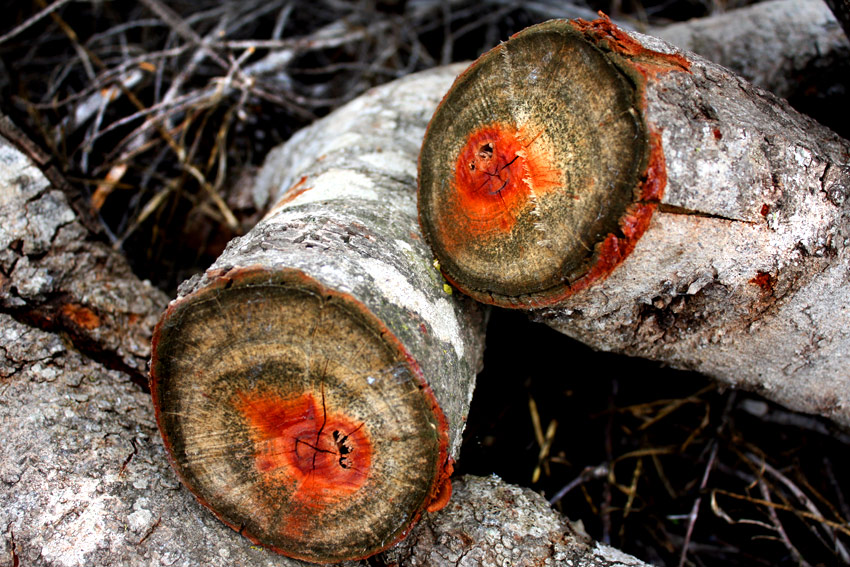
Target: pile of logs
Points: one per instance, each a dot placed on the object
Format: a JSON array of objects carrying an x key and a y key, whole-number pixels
[{"x": 311, "y": 387}]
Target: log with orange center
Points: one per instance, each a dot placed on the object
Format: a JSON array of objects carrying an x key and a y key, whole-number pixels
[{"x": 538, "y": 172}]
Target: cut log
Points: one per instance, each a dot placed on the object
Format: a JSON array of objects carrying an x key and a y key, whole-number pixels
[
  {"x": 538, "y": 173},
  {"x": 719, "y": 245},
  {"x": 312, "y": 386}
]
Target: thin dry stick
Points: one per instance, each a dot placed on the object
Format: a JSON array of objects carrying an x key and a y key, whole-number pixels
[
  {"x": 178, "y": 150},
  {"x": 830, "y": 474},
  {"x": 180, "y": 27},
  {"x": 631, "y": 492},
  {"x": 588, "y": 473},
  {"x": 807, "y": 502},
  {"x": 542, "y": 457},
  {"x": 692, "y": 517},
  {"x": 779, "y": 528},
  {"x": 32, "y": 19},
  {"x": 605, "y": 511},
  {"x": 841, "y": 527}
]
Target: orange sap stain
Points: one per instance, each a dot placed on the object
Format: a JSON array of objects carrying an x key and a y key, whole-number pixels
[
  {"x": 498, "y": 173},
  {"x": 443, "y": 489},
  {"x": 299, "y": 442},
  {"x": 81, "y": 316},
  {"x": 607, "y": 35}
]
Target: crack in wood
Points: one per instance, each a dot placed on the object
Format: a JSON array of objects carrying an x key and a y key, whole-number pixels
[
  {"x": 44, "y": 317},
  {"x": 676, "y": 210}
]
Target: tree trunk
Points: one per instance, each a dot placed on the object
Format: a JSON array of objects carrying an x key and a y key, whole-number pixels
[
  {"x": 705, "y": 225},
  {"x": 320, "y": 365}
]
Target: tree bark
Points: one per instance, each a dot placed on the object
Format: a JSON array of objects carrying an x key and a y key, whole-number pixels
[
  {"x": 735, "y": 267},
  {"x": 56, "y": 274},
  {"x": 771, "y": 44},
  {"x": 490, "y": 524},
  {"x": 329, "y": 311}
]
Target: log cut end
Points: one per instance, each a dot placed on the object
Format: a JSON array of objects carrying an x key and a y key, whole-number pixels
[
  {"x": 293, "y": 414},
  {"x": 532, "y": 173}
]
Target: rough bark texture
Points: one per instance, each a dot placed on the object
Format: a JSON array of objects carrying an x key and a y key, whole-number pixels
[
  {"x": 770, "y": 43},
  {"x": 55, "y": 274},
  {"x": 493, "y": 524},
  {"x": 84, "y": 479},
  {"x": 344, "y": 236},
  {"x": 742, "y": 273}
]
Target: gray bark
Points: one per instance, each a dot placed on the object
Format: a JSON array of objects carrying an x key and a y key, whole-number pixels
[
  {"x": 490, "y": 523},
  {"x": 742, "y": 273},
  {"x": 55, "y": 273},
  {"x": 769, "y": 43}
]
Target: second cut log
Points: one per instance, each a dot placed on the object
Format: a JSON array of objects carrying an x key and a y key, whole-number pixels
[{"x": 647, "y": 202}]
